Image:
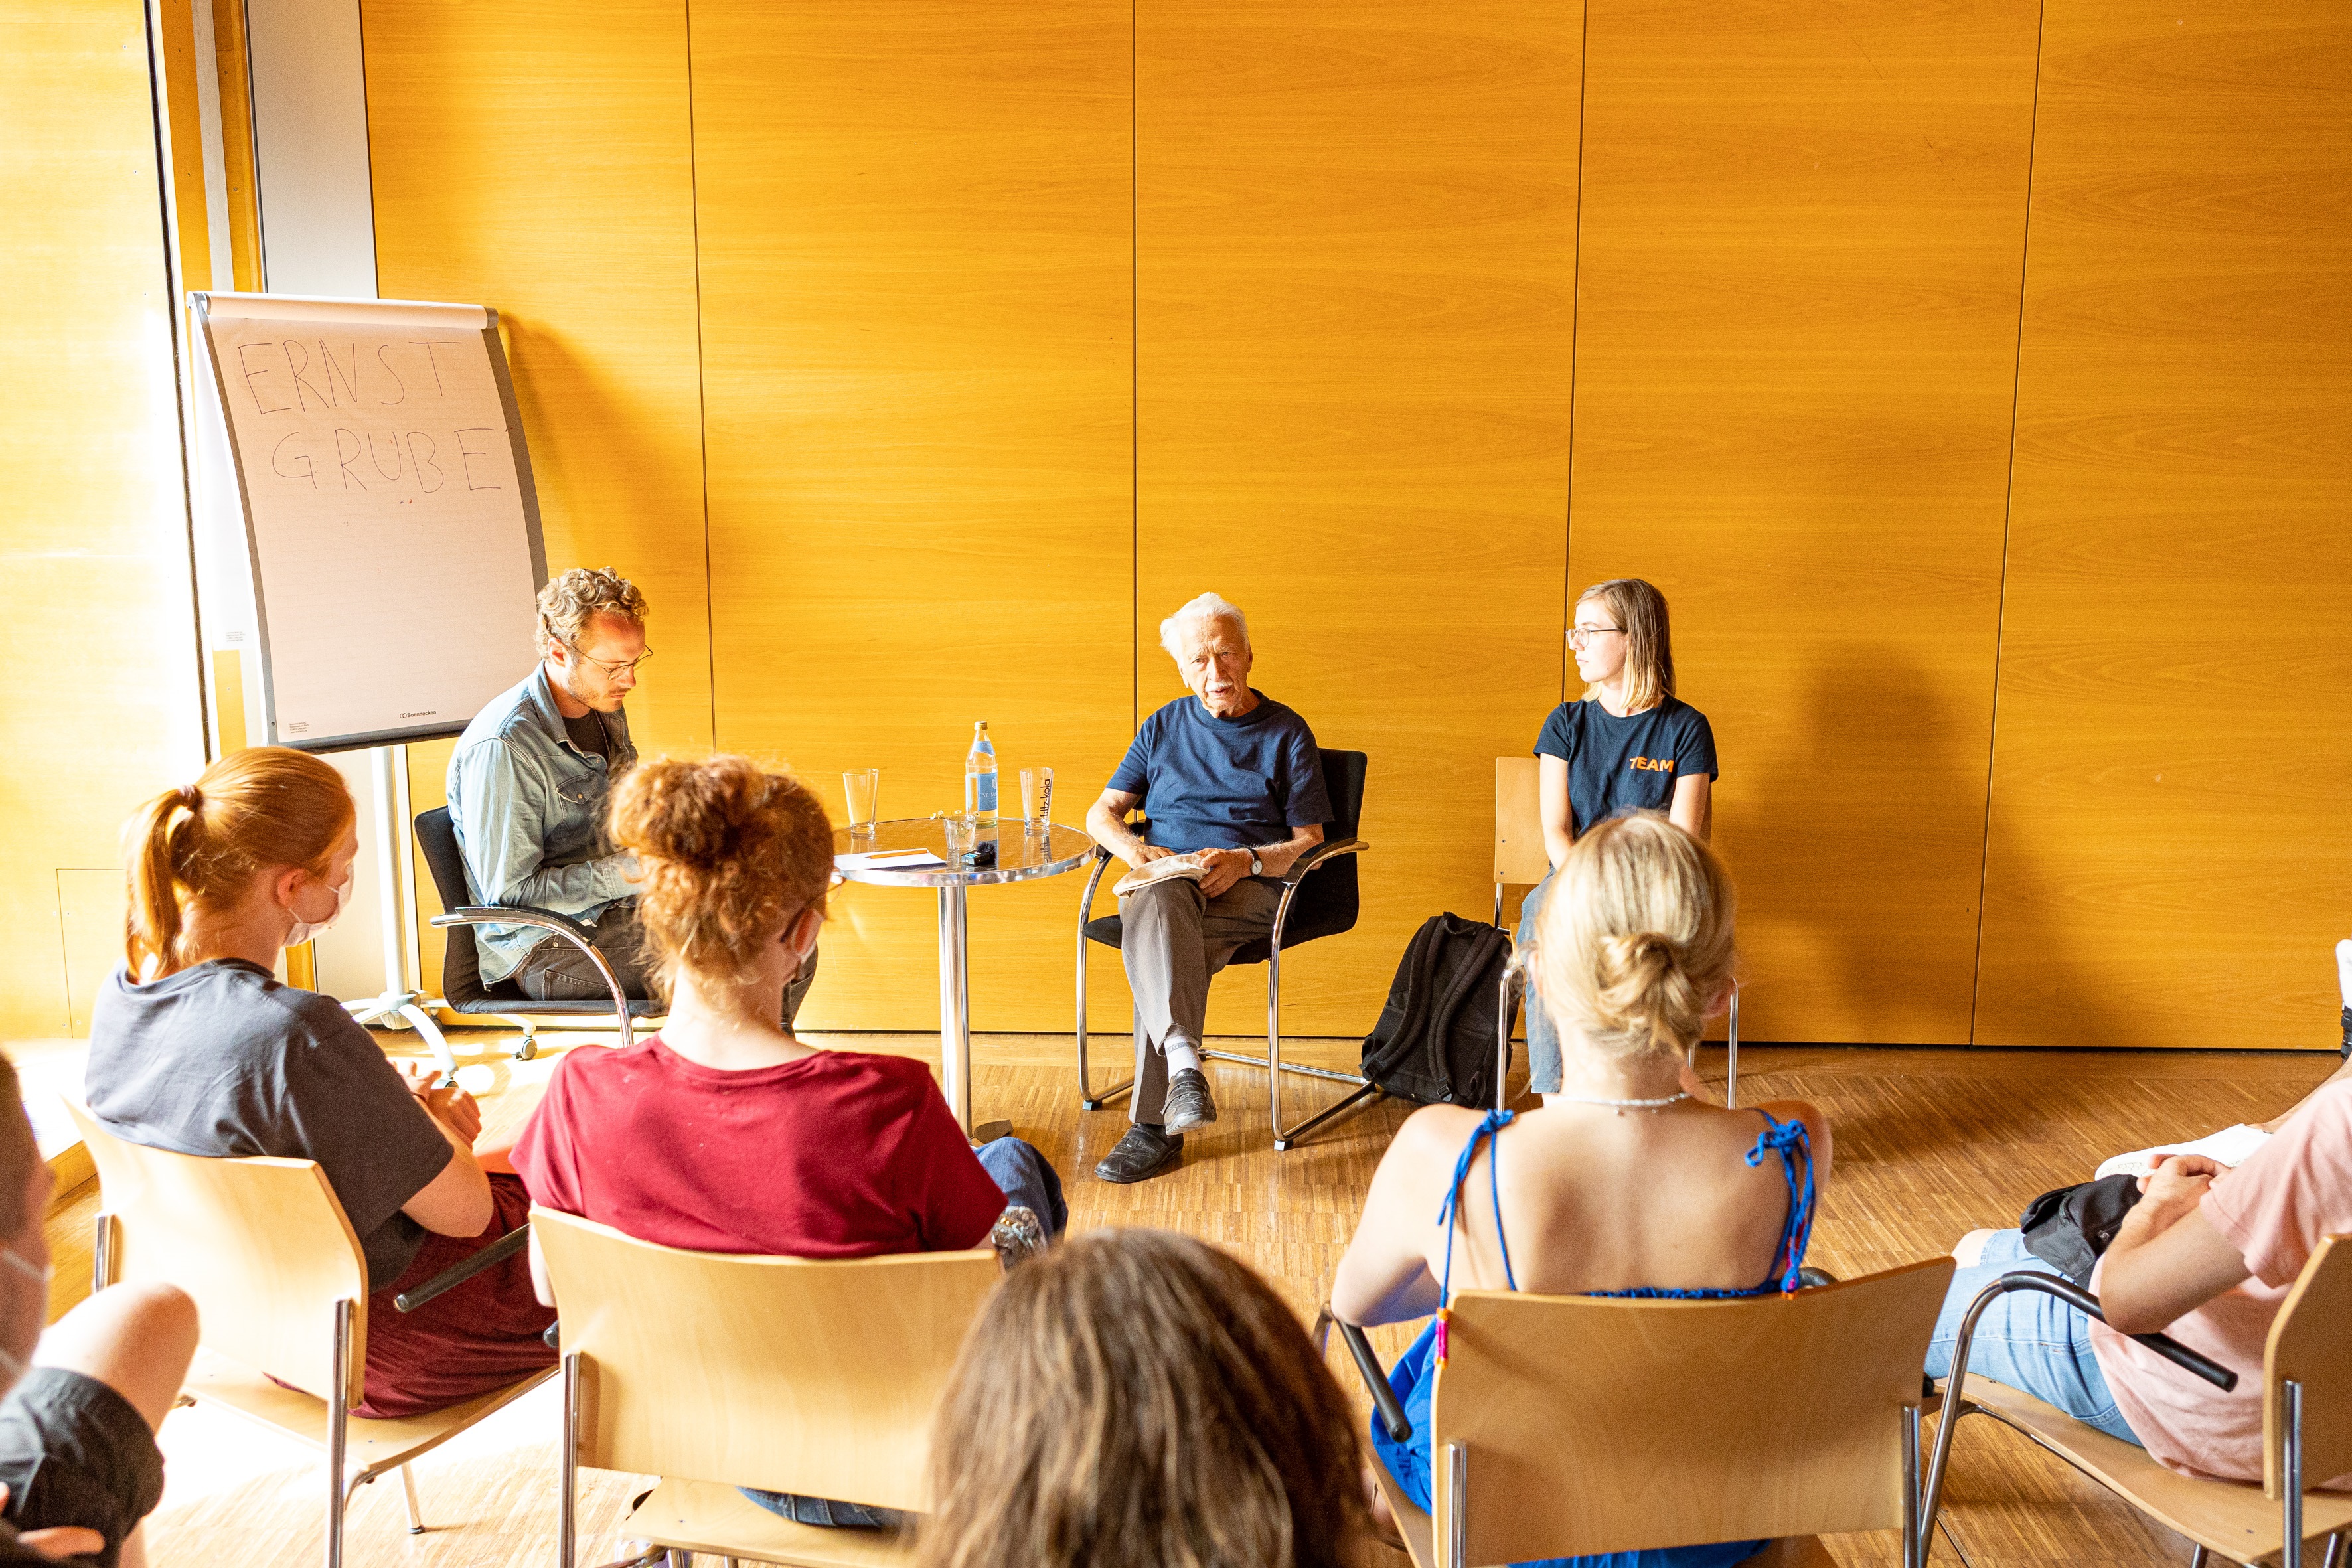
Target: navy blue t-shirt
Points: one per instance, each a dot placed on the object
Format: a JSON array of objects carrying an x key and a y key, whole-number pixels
[
  {"x": 1225, "y": 784},
  {"x": 1625, "y": 765}
]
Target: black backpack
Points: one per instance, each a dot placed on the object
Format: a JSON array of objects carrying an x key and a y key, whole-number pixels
[{"x": 1436, "y": 1039}]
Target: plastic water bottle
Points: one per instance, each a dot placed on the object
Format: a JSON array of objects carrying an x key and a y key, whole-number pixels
[{"x": 980, "y": 778}]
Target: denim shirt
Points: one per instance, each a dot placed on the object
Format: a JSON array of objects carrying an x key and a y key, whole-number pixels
[{"x": 529, "y": 808}]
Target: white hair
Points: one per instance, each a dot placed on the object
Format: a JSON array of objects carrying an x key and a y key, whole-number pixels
[{"x": 1208, "y": 609}]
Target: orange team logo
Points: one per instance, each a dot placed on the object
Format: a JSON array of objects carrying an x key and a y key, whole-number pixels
[{"x": 1654, "y": 764}]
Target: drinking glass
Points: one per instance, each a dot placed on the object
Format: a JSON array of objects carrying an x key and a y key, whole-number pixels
[
  {"x": 1037, "y": 798},
  {"x": 960, "y": 833},
  {"x": 864, "y": 787}
]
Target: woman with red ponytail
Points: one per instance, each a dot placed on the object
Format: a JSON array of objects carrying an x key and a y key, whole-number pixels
[{"x": 197, "y": 1047}]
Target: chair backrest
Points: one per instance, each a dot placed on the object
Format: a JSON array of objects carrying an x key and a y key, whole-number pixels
[
  {"x": 795, "y": 1375},
  {"x": 1596, "y": 1425},
  {"x": 1343, "y": 784},
  {"x": 261, "y": 1244},
  {"x": 1520, "y": 858},
  {"x": 461, "y": 962},
  {"x": 1328, "y": 900},
  {"x": 2311, "y": 1343}
]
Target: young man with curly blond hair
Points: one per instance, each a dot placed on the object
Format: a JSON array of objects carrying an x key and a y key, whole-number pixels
[{"x": 528, "y": 786}]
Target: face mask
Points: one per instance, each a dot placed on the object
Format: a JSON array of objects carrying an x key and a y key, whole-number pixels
[{"x": 305, "y": 930}]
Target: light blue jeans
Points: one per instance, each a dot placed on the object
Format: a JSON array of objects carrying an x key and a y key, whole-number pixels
[
  {"x": 2026, "y": 1340},
  {"x": 1543, "y": 1040}
]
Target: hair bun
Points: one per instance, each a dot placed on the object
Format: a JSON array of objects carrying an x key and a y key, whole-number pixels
[{"x": 191, "y": 796}]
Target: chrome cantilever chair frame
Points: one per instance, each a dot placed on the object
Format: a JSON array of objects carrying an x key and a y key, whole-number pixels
[
  {"x": 1284, "y": 1137},
  {"x": 570, "y": 930},
  {"x": 1956, "y": 1405}
]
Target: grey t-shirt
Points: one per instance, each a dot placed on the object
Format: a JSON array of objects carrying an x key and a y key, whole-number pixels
[{"x": 221, "y": 1059}]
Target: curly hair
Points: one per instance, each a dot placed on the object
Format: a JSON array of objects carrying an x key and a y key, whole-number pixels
[
  {"x": 571, "y": 598},
  {"x": 728, "y": 852}
]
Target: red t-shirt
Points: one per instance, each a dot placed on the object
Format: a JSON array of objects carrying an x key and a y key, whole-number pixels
[{"x": 840, "y": 1154}]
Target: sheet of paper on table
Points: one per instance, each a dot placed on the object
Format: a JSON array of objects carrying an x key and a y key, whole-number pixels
[{"x": 887, "y": 860}]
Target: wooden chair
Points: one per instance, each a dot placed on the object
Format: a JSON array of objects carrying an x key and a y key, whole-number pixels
[
  {"x": 715, "y": 1370},
  {"x": 1569, "y": 1425},
  {"x": 1522, "y": 861},
  {"x": 2306, "y": 1426},
  {"x": 280, "y": 1286}
]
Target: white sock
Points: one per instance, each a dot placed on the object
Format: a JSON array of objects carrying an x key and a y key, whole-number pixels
[{"x": 1181, "y": 1053}]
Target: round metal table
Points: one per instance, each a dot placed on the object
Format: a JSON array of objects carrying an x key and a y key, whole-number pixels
[{"x": 1021, "y": 856}]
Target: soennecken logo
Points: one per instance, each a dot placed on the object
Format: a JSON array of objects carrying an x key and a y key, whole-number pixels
[{"x": 1654, "y": 764}]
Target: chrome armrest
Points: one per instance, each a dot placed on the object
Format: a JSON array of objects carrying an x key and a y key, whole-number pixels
[
  {"x": 518, "y": 915},
  {"x": 1368, "y": 1366},
  {"x": 1329, "y": 849},
  {"x": 1087, "y": 898},
  {"x": 570, "y": 930},
  {"x": 457, "y": 1274}
]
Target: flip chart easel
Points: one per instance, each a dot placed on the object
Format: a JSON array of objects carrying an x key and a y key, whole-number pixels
[{"x": 381, "y": 546}]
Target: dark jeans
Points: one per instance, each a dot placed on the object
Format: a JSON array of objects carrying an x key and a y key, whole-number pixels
[{"x": 557, "y": 971}]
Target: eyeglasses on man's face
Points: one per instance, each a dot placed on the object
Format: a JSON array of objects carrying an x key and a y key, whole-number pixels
[
  {"x": 613, "y": 669},
  {"x": 1578, "y": 635}
]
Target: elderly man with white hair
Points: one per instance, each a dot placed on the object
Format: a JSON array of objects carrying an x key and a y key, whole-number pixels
[{"x": 1232, "y": 782}]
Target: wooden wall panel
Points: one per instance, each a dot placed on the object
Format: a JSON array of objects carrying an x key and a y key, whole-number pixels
[
  {"x": 106, "y": 707},
  {"x": 916, "y": 260},
  {"x": 2170, "y": 856},
  {"x": 537, "y": 157},
  {"x": 1355, "y": 253},
  {"x": 1803, "y": 233}
]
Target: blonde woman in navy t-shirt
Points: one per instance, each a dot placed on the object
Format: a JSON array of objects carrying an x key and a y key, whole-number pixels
[{"x": 1629, "y": 743}]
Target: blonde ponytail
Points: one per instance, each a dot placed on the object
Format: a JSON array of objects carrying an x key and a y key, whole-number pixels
[
  {"x": 200, "y": 846},
  {"x": 1633, "y": 946}
]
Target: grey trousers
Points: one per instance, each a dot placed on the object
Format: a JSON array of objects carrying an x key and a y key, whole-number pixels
[
  {"x": 555, "y": 970},
  {"x": 1171, "y": 940}
]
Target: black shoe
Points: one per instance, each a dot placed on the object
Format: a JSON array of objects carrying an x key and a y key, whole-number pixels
[
  {"x": 1188, "y": 1104},
  {"x": 1144, "y": 1152}
]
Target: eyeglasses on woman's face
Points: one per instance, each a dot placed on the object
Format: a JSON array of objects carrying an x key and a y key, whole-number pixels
[{"x": 1578, "y": 637}]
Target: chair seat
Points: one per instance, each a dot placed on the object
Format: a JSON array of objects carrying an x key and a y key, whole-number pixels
[
  {"x": 704, "y": 1516},
  {"x": 1304, "y": 926},
  {"x": 370, "y": 1447},
  {"x": 2232, "y": 1518},
  {"x": 506, "y": 997}
]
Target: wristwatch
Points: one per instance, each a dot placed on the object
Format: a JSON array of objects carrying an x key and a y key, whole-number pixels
[{"x": 1257, "y": 867}]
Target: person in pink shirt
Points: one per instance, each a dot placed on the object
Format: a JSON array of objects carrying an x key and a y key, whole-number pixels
[{"x": 2207, "y": 1256}]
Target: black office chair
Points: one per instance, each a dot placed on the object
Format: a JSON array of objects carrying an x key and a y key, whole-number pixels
[
  {"x": 462, "y": 990},
  {"x": 1318, "y": 898}
]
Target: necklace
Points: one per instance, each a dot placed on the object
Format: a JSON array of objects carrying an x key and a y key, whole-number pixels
[{"x": 1622, "y": 1106}]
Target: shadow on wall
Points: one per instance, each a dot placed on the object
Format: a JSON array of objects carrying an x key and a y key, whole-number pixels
[{"x": 1865, "y": 839}]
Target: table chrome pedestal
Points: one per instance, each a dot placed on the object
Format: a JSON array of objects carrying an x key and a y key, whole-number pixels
[{"x": 1022, "y": 856}]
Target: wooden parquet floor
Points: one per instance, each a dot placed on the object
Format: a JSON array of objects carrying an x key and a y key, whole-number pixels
[{"x": 1930, "y": 1143}]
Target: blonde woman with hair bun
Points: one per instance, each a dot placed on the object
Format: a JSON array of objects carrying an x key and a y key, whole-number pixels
[
  {"x": 1629, "y": 743},
  {"x": 1626, "y": 1183}
]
